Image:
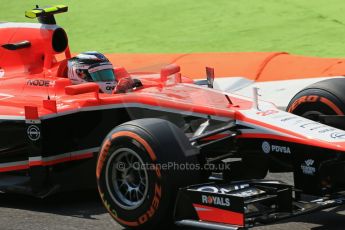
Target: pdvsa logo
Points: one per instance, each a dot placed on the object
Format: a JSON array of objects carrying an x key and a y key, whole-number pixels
[
  {"x": 267, "y": 148},
  {"x": 215, "y": 200}
]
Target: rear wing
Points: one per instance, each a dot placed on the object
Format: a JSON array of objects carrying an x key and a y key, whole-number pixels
[{"x": 46, "y": 15}]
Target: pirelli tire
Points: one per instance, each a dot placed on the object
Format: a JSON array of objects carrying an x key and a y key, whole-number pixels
[
  {"x": 322, "y": 98},
  {"x": 164, "y": 152}
]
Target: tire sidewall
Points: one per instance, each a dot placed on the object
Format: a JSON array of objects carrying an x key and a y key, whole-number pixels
[{"x": 315, "y": 99}]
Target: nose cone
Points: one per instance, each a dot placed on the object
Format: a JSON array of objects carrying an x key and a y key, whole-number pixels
[{"x": 280, "y": 125}]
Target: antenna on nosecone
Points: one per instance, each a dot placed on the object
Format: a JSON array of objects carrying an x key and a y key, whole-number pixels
[{"x": 256, "y": 98}]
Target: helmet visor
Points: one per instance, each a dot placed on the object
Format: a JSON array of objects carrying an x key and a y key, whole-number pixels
[{"x": 103, "y": 73}]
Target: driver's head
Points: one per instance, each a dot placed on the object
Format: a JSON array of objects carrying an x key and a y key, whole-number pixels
[{"x": 92, "y": 66}]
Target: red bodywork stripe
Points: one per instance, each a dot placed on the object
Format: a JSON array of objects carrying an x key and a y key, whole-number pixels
[
  {"x": 211, "y": 214},
  {"x": 83, "y": 156},
  {"x": 61, "y": 160},
  {"x": 45, "y": 163},
  {"x": 215, "y": 137},
  {"x": 14, "y": 168}
]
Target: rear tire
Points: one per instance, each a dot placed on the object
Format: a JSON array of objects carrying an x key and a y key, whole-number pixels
[
  {"x": 322, "y": 98},
  {"x": 144, "y": 197}
]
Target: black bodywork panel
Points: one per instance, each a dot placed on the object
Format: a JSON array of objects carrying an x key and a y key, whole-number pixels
[{"x": 63, "y": 134}]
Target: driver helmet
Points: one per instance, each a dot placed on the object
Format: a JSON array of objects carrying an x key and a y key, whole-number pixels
[{"x": 92, "y": 66}]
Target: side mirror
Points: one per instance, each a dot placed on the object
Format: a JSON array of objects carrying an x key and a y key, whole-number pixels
[
  {"x": 83, "y": 88},
  {"x": 170, "y": 70}
]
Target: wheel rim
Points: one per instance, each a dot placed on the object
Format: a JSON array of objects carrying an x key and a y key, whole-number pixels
[{"x": 126, "y": 178}]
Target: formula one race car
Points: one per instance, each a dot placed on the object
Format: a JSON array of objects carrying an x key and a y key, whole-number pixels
[{"x": 163, "y": 149}]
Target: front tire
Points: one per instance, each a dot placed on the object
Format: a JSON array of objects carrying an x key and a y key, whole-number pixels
[
  {"x": 138, "y": 172},
  {"x": 322, "y": 98}
]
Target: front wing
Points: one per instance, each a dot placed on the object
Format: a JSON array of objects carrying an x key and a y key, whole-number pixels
[{"x": 244, "y": 204}]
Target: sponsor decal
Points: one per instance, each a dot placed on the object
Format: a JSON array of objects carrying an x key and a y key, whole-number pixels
[
  {"x": 102, "y": 157},
  {"x": 41, "y": 83},
  {"x": 267, "y": 148},
  {"x": 215, "y": 200},
  {"x": 309, "y": 125},
  {"x": 213, "y": 189},
  {"x": 2, "y": 72},
  {"x": 249, "y": 192},
  {"x": 327, "y": 130},
  {"x": 154, "y": 206},
  {"x": 288, "y": 119},
  {"x": 308, "y": 167},
  {"x": 326, "y": 202},
  {"x": 33, "y": 132},
  {"x": 314, "y": 98},
  {"x": 301, "y": 100},
  {"x": 108, "y": 87},
  {"x": 338, "y": 135},
  {"x": 267, "y": 112}
]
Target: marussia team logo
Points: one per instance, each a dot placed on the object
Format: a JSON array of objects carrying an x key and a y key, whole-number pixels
[{"x": 215, "y": 200}]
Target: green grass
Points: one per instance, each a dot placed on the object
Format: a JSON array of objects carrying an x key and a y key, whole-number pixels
[{"x": 159, "y": 26}]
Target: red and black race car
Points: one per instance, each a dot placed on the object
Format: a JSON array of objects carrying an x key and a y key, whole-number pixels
[{"x": 162, "y": 149}]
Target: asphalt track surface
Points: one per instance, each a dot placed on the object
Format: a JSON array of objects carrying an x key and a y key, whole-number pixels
[{"x": 83, "y": 210}]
